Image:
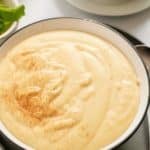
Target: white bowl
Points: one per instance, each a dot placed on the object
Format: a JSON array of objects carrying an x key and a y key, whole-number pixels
[
  {"x": 102, "y": 31},
  {"x": 13, "y": 27}
]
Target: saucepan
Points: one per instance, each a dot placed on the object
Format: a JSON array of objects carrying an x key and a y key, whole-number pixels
[{"x": 97, "y": 29}]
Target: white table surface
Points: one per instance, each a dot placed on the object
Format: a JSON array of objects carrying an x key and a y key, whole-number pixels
[{"x": 137, "y": 24}]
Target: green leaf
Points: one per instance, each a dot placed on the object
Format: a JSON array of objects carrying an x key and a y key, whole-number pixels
[
  {"x": 11, "y": 14},
  {"x": 4, "y": 26}
]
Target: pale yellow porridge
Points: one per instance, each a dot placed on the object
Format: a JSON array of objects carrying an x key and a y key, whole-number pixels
[{"x": 67, "y": 90}]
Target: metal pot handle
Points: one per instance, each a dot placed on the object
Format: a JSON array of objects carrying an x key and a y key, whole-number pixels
[
  {"x": 140, "y": 49},
  {"x": 1, "y": 147},
  {"x": 144, "y": 51}
]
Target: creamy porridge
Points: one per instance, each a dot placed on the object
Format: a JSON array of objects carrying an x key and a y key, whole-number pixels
[{"x": 67, "y": 90}]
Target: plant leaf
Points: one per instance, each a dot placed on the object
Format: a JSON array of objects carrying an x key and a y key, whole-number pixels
[{"x": 11, "y": 14}]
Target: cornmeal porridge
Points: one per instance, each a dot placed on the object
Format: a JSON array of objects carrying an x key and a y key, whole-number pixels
[{"x": 67, "y": 90}]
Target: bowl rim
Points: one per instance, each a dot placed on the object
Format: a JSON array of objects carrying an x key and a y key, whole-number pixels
[
  {"x": 122, "y": 37},
  {"x": 14, "y": 25}
]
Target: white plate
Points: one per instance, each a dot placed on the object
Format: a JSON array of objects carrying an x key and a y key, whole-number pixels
[{"x": 126, "y": 8}]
